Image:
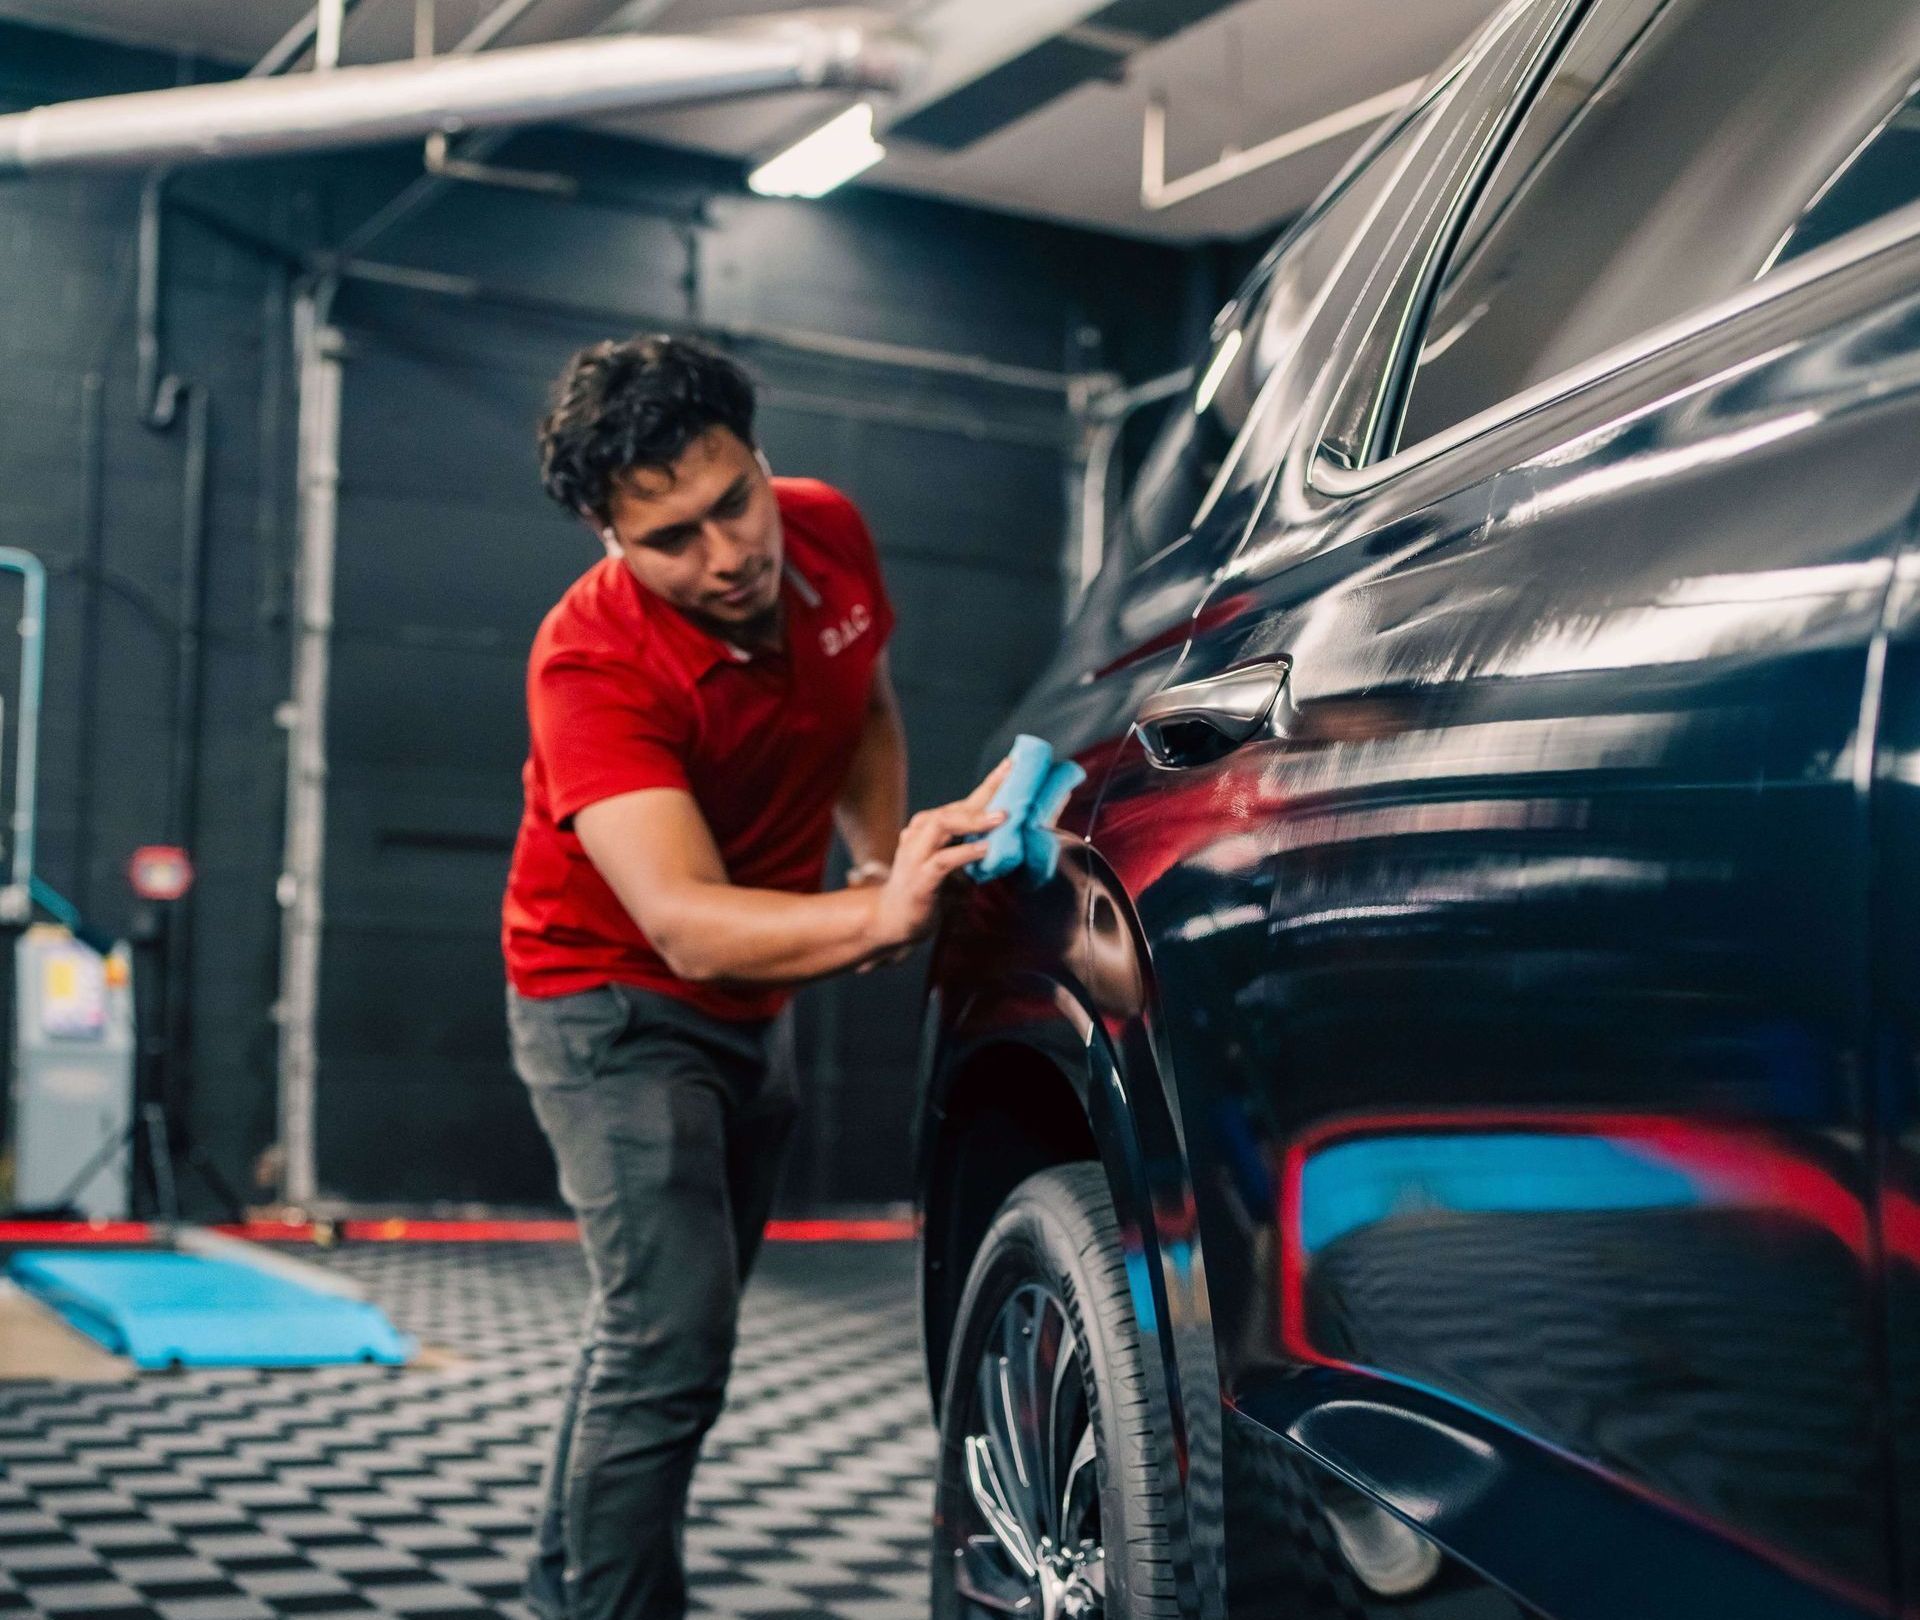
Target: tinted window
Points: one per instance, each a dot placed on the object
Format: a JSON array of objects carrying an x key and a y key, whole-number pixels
[
  {"x": 1676, "y": 152},
  {"x": 1187, "y": 456},
  {"x": 1881, "y": 175},
  {"x": 1249, "y": 339}
]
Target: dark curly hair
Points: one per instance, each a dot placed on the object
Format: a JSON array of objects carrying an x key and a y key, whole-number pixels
[{"x": 640, "y": 403}]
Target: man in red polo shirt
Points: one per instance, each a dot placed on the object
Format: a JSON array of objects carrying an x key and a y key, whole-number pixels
[{"x": 706, "y": 706}]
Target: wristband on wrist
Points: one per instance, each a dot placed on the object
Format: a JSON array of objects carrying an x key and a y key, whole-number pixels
[{"x": 879, "y": 870}]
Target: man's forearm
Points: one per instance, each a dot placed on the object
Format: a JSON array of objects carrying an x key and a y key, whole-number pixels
[
  {"x": 654, "y": 850},
  {"x": 656, "y": 853},
  {"x": 716, "y": 932}
]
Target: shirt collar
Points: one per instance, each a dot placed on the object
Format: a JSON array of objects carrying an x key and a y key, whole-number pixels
[{"x": 696, "y": 649}]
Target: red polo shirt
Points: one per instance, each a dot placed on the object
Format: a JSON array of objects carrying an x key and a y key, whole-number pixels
[{"x": 624, "y": 692}]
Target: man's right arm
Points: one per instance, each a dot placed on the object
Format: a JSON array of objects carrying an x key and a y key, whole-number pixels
[{"x": 657, "y": 854}]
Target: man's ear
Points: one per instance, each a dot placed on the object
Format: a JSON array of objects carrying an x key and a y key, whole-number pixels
[{"x": 603, "y": 532}]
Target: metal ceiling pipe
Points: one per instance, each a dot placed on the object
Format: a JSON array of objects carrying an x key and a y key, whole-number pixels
[
  {"x": 400, "y": 100},
  {"x": 295, "y": 42}
]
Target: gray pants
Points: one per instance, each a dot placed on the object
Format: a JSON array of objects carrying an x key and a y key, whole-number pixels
[{"x": 669, "y": 1134}]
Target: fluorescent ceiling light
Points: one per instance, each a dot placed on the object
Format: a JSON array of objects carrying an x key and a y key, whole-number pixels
[{"x": 831, "y": 156}]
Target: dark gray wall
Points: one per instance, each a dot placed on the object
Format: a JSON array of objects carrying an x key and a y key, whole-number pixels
[
  {"x": 66, "y": 267},
  {"x": 449, "y": 556}
]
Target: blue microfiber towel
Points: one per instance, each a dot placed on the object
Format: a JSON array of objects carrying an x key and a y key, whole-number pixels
[
  {"x": 1035, "y": 791},
  {"x": 1039, "y": 841},
  {"x": 1032, "y": 758}
]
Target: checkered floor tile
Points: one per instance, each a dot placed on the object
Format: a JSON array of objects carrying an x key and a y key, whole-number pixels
[{"x": 225, "y": 1495}]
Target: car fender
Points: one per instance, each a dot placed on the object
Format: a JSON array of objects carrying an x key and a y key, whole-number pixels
[{"x": 1021, "y": 976}]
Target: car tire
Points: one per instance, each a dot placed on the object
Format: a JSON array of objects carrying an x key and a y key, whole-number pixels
[{"x": 1046, "y": 1345}]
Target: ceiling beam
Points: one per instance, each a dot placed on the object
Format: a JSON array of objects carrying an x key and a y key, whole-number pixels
[
  {"x": 990, "y": 65},
  {"x": 965, "y": 40}
]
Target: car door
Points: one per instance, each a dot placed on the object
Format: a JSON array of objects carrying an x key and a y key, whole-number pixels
[
  {"x": 1895, "y": 1050},
  {"x": 1496, "y": 868},
  {"x": 1011, "y": 955}
]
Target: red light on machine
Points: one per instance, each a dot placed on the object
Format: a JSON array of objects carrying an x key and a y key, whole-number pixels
[{"x": 160, "y": 872}]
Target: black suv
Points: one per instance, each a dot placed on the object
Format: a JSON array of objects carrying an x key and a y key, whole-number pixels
[{"x": 1445, "y": 1144}]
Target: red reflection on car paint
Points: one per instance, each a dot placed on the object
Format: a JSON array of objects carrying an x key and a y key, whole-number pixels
[{"x": 1176, "y": 635}]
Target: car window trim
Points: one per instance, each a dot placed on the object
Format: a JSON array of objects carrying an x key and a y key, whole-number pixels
[
  {"x": 1440, "y": 86},
  {"x": 1382, "y": 137},
  {"x": 1891, "y": 231},
  {"x": 1866, "y": 143},
  {"x": 1394, "y": 290}
]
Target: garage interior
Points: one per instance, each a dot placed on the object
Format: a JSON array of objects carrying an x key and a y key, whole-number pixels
[{"x": 278, "y": 550}]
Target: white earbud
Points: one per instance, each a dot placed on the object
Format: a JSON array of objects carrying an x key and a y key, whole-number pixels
[{"x": 766, "y": 466}]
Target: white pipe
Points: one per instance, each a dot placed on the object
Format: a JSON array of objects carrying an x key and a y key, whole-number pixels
[
  {"x": 294, "y": 43},
  {"x": 329, "y": 24},
  {"x": 303, "y": 866},
  {"x": 1157, "y": 192},
  {"x": 398, "y": 100},
  {"x": 26, "y": 756},
  {"x": 1107, "y": 419}
]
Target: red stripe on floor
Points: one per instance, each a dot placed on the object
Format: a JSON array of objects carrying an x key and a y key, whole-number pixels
[
  {"x": 879, "y": 1231},
  {"x": 407, "y": 1231},
  {"x": 426, "y": 1231},
  {"x": 74, "y": 1232}
]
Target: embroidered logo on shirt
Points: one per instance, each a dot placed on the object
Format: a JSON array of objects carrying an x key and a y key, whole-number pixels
[{"x": 837, "y": 638}]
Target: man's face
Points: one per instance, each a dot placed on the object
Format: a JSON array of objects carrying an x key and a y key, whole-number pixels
[{"x": 704, "y": 534}]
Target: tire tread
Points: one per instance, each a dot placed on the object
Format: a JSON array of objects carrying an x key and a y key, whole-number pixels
[{"x": 1070, "y": 1204}]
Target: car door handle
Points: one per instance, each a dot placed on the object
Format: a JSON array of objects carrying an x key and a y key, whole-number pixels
[{"x": 1198, "y": 721}]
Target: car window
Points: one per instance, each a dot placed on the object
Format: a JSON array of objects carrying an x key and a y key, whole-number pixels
[
  {"x": 1181, "y": 478},
  {"x": 1880, "y": 175},
  {"x": 1200, "y": 430},
  {"x": 1676, "y": 152}
]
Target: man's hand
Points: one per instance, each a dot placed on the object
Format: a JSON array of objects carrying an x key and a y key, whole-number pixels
[
  {"x": 906, "y": 904},
  {"x": 656, "y": 852}
]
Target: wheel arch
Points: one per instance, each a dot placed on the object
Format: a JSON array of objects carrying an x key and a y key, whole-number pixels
[
  {"x": 1021, "y": 1079},
  {"x": 1004, "y": 1109},
  {"x": 1018, "y": 1079}
]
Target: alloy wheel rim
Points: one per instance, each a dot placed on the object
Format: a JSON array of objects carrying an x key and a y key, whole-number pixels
[{"x": 1027, "y": 1536}]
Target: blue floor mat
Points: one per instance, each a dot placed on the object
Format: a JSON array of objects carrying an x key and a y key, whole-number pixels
[{"x": 185, "y": 1310}]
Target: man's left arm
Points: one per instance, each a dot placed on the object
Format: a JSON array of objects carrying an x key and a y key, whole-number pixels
[{"x": 873, "y": 804}]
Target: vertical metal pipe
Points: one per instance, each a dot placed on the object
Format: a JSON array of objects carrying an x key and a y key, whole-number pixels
[
  {"x": 1104, "y": 420},
  {"x": 183, "y": 780},
  {"x": 1096, "y": 485},
  {"x": 276, "y": 316},
  {"x": 156, "y": 390},
  {"x": 26, "y": 746},
  {"x": 184, "y": 767},
  {"x": 302, "y": 873},
  {"x": 93, "y": 395},
  {"x": 292, "y": 45},
  {"x": 329, "y": 22}
]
